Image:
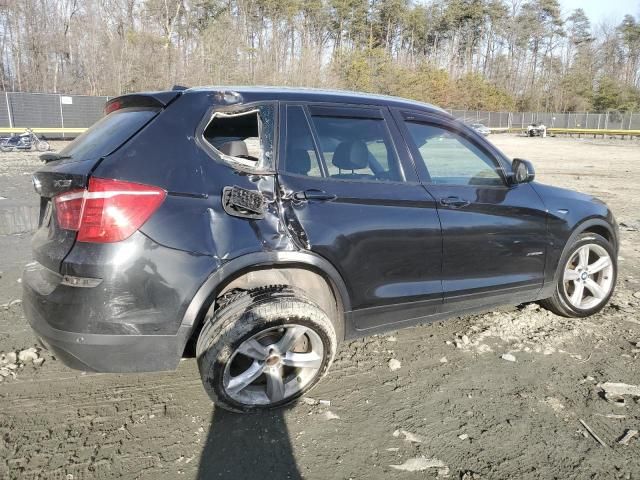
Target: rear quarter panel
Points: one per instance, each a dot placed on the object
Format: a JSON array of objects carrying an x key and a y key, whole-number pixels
[
  {"x": 191, "y": 221},
  {"x": 166, "y": 154}
]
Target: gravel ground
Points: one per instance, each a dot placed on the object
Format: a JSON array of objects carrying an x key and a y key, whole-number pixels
[{"x": 509, "y": 394}]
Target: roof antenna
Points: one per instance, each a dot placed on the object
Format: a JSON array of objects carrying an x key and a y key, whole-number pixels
[{"x": 179, "y": 88}]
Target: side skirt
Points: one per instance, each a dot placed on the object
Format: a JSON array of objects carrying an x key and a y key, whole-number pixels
[{"x": 448, "y": 310}]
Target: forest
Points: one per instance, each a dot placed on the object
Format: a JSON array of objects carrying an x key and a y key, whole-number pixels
[{"x": 471, "y": 54}]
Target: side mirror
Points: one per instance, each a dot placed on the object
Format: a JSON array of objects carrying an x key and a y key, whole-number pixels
[{"x": 522, "y": 171}]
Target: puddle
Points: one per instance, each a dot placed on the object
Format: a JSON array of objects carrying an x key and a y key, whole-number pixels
[{"x": 23, "y": 219}]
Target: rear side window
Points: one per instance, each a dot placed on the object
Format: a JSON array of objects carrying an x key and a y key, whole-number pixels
[
  {"x": 243, "y": 137},
  {"x": 352, "y": 146},
  {"x": 356, "y": 148},
  {"x": 108, "y": 133},
  {"x": 300, "y": 153}
]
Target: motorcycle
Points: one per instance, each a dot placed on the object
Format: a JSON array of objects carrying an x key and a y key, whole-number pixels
[{"x": 23, "y": 141}]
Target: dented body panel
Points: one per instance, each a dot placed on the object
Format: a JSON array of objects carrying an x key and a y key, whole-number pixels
[{"x": 378, "y": 252}]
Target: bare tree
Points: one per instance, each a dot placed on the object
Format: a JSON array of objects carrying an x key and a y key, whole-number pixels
[{"x": 489, "y": 53}]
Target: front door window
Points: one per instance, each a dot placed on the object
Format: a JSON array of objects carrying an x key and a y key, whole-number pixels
[{"x": 451, "y": 159}]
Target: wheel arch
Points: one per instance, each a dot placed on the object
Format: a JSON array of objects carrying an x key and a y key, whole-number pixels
[
  {"x": 322, "y": 282},
  {"x": 603, "y": 231},
  {"x": 596, "y": 225}
]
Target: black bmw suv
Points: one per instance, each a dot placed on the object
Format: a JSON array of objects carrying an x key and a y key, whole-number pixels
[{"x": 266, "y": 225}]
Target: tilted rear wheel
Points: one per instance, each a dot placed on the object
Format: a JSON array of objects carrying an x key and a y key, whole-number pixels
[
  {"x": 586, "y": 277},
  {"x": 264, "y": 348}
]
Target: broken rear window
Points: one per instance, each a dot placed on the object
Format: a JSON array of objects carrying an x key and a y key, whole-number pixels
[{"x": 243, "y": 138}]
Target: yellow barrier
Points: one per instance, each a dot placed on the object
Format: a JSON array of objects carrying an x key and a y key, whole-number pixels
[
  {"x": 593, "y": 131},
  {"x": 43, "y": 130},
  {"x": 577, "y": 131}
]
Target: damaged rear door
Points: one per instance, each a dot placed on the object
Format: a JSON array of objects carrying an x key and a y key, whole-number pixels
[{"x": 350, "y": 195}]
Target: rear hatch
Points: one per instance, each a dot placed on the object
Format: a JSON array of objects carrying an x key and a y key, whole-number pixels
[{"x": 70, "y": 169}]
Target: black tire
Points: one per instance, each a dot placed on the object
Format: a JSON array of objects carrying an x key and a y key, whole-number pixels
[
  {"x": 559, "y": 303},
  {"x": 242, "y": 315}
]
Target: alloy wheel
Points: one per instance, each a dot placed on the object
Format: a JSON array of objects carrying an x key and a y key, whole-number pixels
[
  {"x": 273, "y": 365},
  {"x": 588, "y": 277}
]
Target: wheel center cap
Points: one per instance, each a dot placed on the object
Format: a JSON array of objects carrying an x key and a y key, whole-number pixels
[
  {"x": 584, "y": 275},
  {"x": 273, "y": 360}
]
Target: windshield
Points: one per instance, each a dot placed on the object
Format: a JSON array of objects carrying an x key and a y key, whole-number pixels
[{"x": 108, "y": 133}]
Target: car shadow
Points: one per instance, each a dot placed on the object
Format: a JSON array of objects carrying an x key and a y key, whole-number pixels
[{"x": 249, "y": 446}]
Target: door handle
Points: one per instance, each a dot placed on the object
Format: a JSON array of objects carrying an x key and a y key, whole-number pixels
[
  {"x": 454, "y": 202},
  {"x": 312, "y": 194}
]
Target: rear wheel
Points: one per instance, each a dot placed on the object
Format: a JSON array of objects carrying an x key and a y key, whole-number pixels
[
  {"x": 586, "y": 278},
  {"x": 264, "y": 348},
  {"x": 6, "y": 148}
]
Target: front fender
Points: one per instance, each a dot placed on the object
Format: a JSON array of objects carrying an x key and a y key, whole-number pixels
[{"x": 571, "y": 213}]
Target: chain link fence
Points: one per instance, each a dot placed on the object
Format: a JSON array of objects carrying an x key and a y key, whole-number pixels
[
  {"x": 47, "y": 110},
  {"x": 58, "y": 112},
  {"x": 612, "y": 120}
]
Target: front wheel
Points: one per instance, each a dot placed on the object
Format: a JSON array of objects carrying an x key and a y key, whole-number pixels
[
  {"x": 586, "y": 277},
  {"x": 264, "y": 348},
  {"x": 42, "y": 146}
]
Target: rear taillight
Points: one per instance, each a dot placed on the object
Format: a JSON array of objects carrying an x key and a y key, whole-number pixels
[{"x": 108, "y": 211}]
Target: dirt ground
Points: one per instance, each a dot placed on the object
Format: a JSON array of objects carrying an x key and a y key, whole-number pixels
[{"x": 454, "y": 408}]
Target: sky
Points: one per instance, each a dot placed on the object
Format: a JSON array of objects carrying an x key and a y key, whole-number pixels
[{"x": 603, "y": 10}]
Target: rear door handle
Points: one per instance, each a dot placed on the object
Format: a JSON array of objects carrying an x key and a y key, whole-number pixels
[
  {"x": 454, "y": 202},
  {"x": 316, "y": 195}
]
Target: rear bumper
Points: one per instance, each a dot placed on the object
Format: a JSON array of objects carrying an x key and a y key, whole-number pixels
[
  {"x": 109, "y": 353},
  {"x": 96, "y": 352}
]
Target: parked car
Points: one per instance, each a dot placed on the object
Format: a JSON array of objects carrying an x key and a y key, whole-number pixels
[
  {"x": 536, "y": 130},
  {"x": 481, "y": 129},
  {"x": 266, "y": 225}
]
